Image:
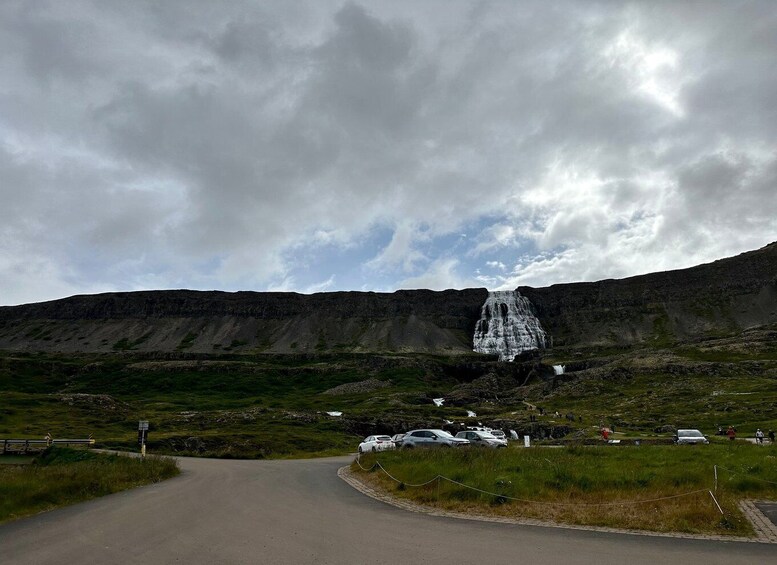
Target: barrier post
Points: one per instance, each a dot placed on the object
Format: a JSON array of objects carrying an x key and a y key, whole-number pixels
[
  {"x": 715, "y": 468},
  {"x": 142, "y": 435}
]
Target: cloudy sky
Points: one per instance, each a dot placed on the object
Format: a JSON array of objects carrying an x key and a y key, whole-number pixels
[{"x": 320, "y": 145}]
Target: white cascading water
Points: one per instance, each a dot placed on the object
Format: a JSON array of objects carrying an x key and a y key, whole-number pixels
[
  {"x": 507, "y": 326},
  {"x": 559, "y": 369}
]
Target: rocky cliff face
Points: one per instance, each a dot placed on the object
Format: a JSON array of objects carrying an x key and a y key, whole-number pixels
[
  {"x": 211, "y": 322},
  {"x": 709, "y": 300}
]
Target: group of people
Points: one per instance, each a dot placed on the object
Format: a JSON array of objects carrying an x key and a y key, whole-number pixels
[{"x": 731, "y": 432}]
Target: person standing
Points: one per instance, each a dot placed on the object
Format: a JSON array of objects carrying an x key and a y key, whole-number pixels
[
  {"x": 771, "y": 436},
  {"x": 759, "y": 437},
  {"x": 731, "y": 433}
]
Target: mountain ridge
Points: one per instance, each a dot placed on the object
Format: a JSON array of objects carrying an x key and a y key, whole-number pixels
[{"x": 717, "y": 298}]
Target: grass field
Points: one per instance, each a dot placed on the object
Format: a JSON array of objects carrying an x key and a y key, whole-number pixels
[
  {"x": 658, "y": 488},
  {"x": 64, "y": 476}
]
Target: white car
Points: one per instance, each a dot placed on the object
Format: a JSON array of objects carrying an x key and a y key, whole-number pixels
[
  {"x": 484, "y": 439},
  {"x": 376, "y": 443},
  {"x": 690, "y": 437}
]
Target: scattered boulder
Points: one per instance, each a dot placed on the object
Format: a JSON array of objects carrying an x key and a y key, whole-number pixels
[
  {"x": 103, "y": 402},
  {"x": 368, "y": 385},
  {"x": 491, "y": 387}
]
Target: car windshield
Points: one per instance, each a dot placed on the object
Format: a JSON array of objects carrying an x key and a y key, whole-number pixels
[
  {"x": 383, "y": 438},
  {"x": 690, "y": 433},
  {"x": 441, "y": 433},
  {"x": 486, "y": 435}
]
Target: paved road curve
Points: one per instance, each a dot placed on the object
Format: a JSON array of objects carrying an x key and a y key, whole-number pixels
[{"x": 295, "y": 512}]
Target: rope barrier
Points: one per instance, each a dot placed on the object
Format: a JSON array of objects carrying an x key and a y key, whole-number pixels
[
  {"x": 378, "y": 465},
  {"x": 543, "y": 502},
  {"x": 540, "y": 502},
  {"x": 389, "y": 475},
  {"x": 747, "y": 475},
  {"x": 392, "y": 477}
]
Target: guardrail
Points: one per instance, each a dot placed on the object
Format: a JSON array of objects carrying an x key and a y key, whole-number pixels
[{"x": 26, "y": 445}]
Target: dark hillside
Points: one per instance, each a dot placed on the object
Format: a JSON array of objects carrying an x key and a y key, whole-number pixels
[
  {"x": 705, "y": 301},
  {"x": 418, "y": 320}
]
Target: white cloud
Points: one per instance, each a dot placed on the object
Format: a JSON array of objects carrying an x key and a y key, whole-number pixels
[
  {"x": 263, "y": 146},
  {"x": 320, "y": 286},
  {"x": 440, "y": 275},
  {"x": 400, "y": 251},
  {"x": 36, "y": 279}
]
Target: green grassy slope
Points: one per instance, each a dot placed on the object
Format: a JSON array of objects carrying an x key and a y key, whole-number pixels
[{"x": 276, "y": 406}]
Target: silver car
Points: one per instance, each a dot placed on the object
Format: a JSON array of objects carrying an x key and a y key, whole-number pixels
[
  {"x": 690, "y": 436},
  {"x": 397, "y": 439},
  {"x": 483, "y": 439},
  {"x": 431, "y": 438}
]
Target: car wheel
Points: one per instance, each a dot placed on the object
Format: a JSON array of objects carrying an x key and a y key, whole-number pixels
[
  {"x": 374, "y": 449},
  {"x": 360, "y": 449},
  {"x": 445, "y": 445}
]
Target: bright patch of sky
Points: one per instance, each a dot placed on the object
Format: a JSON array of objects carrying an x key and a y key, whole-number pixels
[{"x": 347, "y": 145}]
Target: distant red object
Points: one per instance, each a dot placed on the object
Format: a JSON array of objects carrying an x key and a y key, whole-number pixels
[{"x": 605, "y": 434}]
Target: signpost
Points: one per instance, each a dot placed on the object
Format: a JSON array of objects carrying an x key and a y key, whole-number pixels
[{"x": 142, "y": 436}]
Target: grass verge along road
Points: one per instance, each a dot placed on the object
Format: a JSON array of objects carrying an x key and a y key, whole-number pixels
[
  {"x": 656, "y": 488},
  {"x": 62, "y": 476}
]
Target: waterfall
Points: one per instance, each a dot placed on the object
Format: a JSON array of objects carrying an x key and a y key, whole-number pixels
[
  {"x": 559, "y": 369},
  {"x": 507, "y": 326}
]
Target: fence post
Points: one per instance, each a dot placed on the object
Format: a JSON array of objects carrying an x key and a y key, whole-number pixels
[{"x": 715, "y": 467}]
